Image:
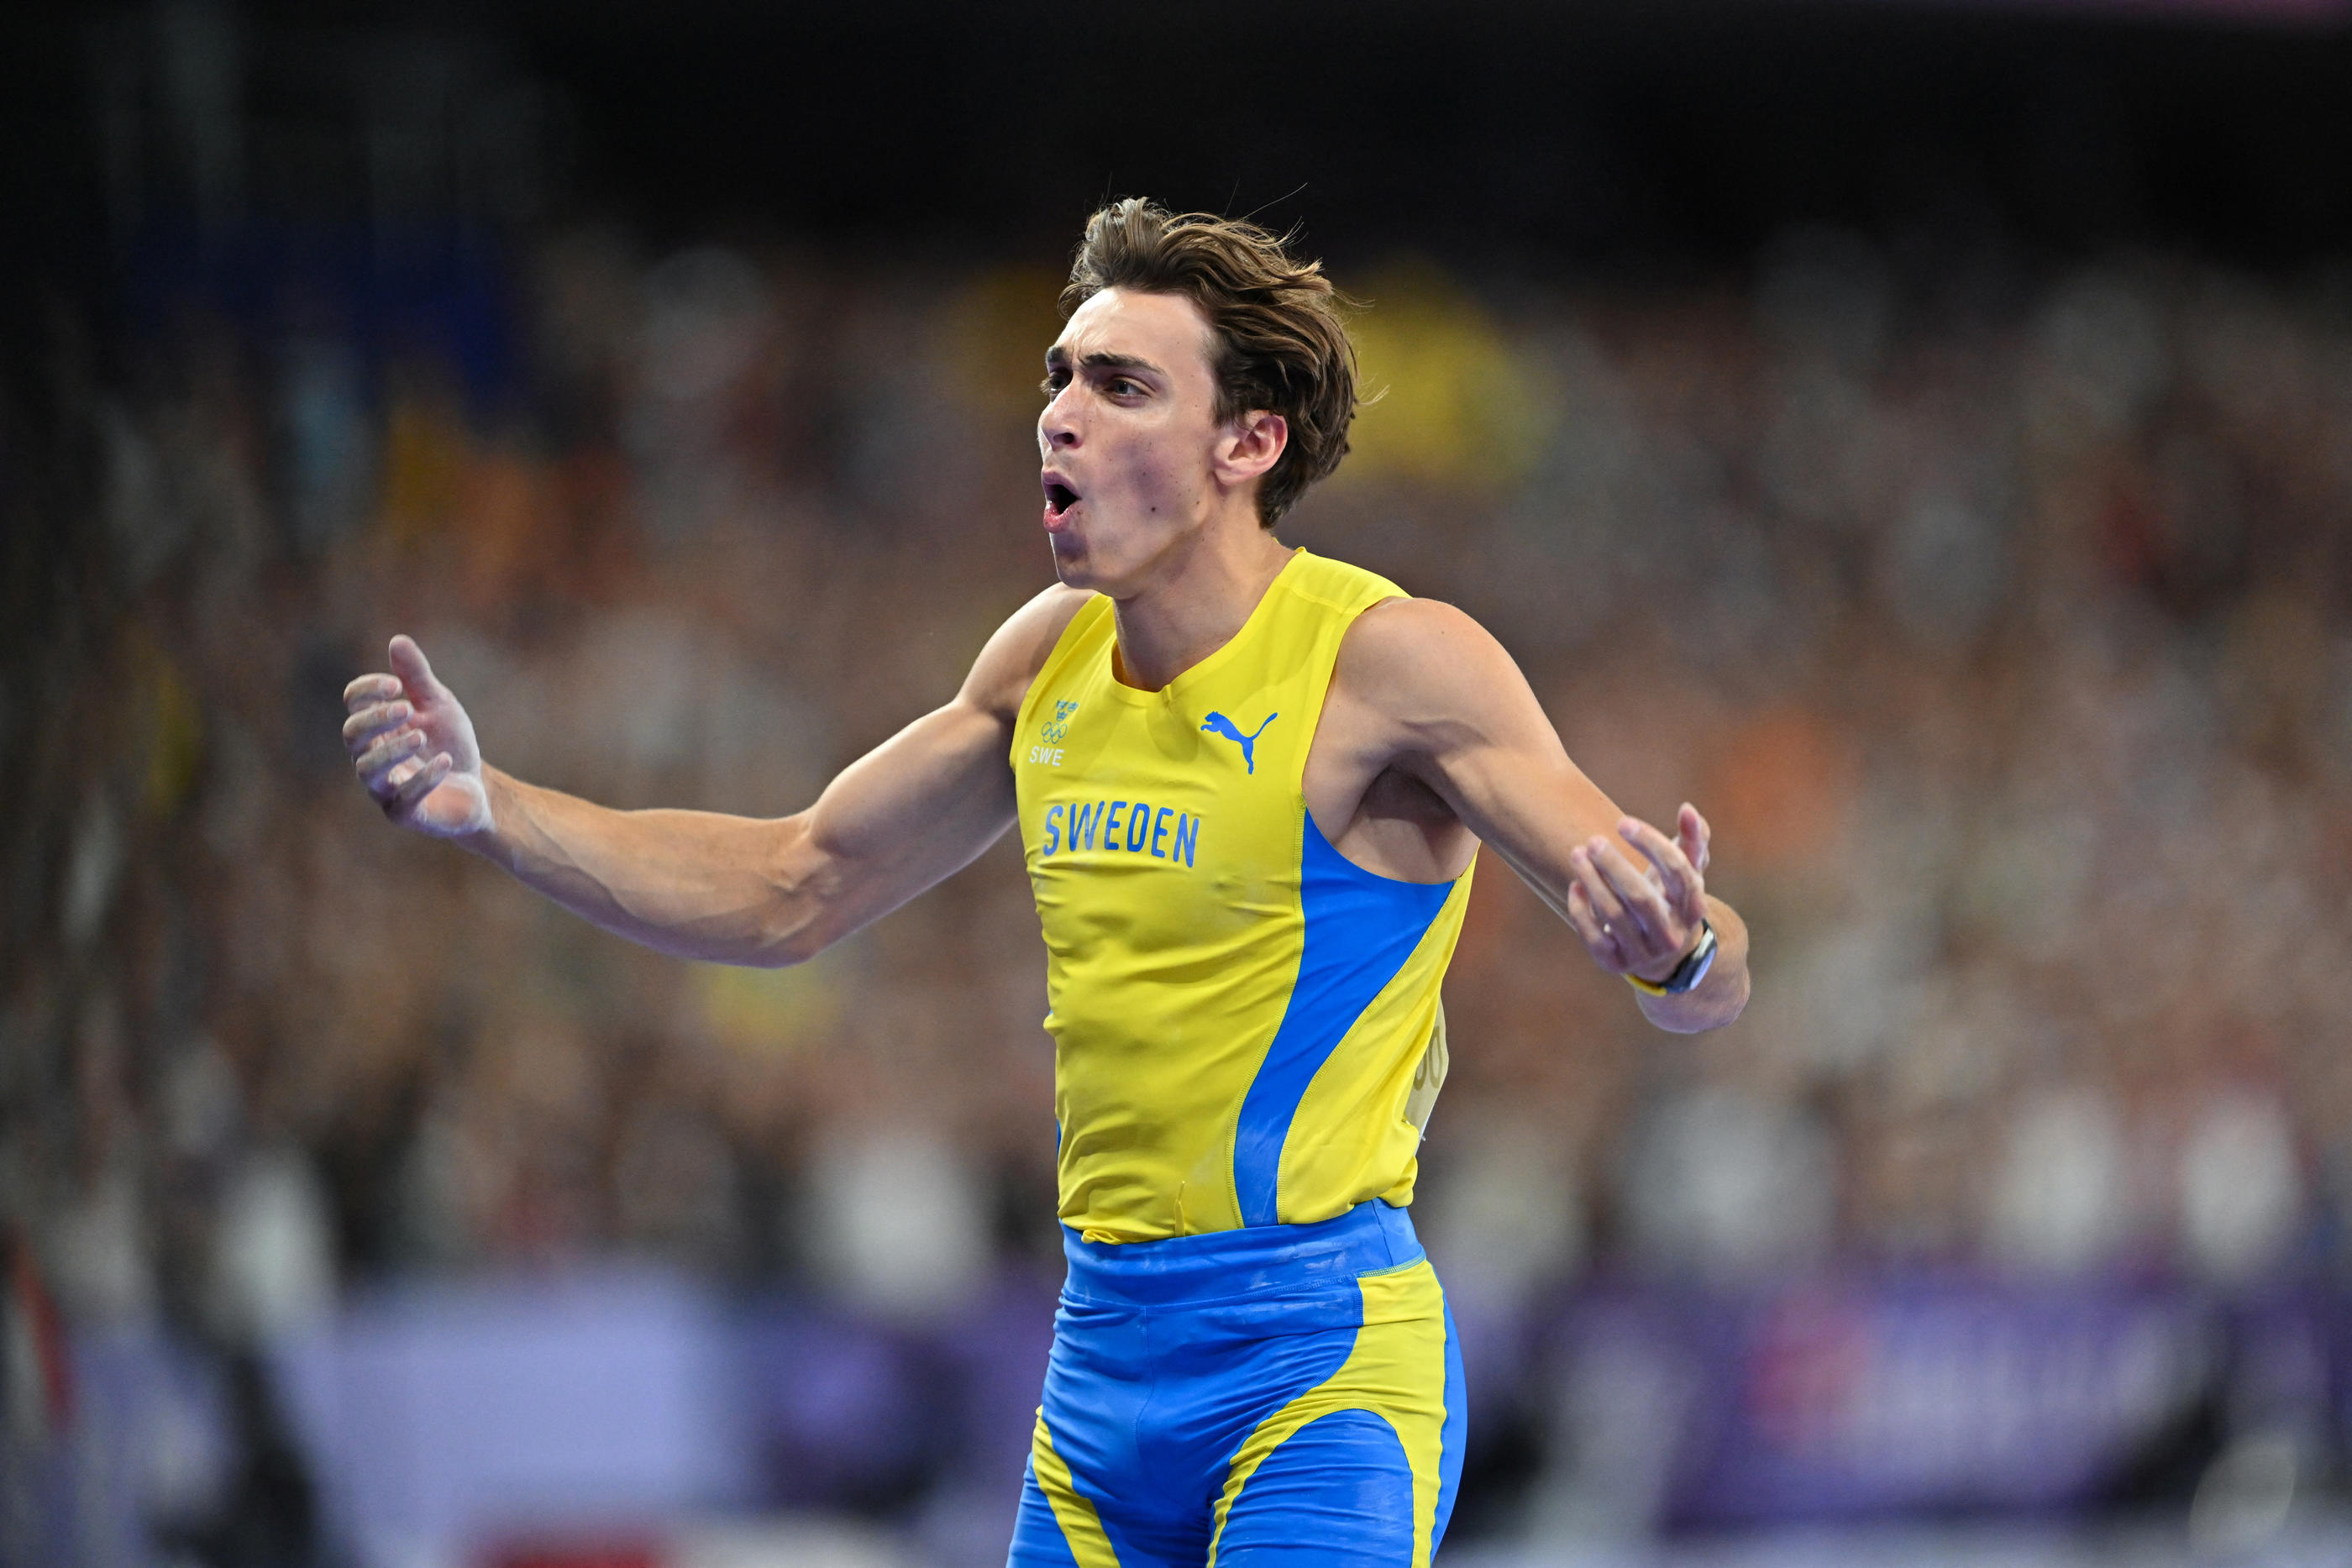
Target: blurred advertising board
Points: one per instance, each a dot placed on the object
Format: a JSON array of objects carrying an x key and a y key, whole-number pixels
[{"x": 1827, "y": 1400}]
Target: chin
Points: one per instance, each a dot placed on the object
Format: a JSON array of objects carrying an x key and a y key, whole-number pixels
[
  {"x": 1073, "y": 568},
  {"x": 1083, "y": 562}
]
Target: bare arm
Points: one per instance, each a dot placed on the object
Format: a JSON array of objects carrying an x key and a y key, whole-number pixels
[
  {"x": 699, "y": 884},
  {"x": 1421, "y": 687}
]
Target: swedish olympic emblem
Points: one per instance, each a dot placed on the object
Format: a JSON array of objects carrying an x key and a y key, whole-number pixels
[{"x": 1056, "y": 729}]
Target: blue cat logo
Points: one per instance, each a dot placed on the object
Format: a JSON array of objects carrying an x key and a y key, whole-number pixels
[{"x": 1219, "y": 725}]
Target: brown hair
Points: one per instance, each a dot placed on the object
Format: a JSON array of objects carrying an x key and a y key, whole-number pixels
[{"x": 1281, "y": 342}]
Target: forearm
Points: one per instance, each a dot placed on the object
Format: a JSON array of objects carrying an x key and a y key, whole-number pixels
[
  {"x": 734, "y": 890},
  {"x": 1718, "y": 998},
  {"x": 696, "y": 884}
]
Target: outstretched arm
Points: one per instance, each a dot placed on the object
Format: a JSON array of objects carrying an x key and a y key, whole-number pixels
[
  {"x": 699, "y": 884},
  {"x": 1428, "y": 690}
]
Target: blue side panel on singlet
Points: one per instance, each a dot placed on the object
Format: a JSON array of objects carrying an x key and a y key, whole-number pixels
[{"x": 1360, "y": 929}]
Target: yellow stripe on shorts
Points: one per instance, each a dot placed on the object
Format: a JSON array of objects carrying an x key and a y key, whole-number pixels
[
  {"x": 1081, "y": 1525},
  {"x": 1396, "y": 1371}
]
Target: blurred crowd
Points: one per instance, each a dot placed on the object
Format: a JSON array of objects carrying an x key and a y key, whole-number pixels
[{"x": 1996, "y": 618}]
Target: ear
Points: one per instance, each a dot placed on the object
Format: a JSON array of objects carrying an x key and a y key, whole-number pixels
[{"x": 1249, "y": 447}]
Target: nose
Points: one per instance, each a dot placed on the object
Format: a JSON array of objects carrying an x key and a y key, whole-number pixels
[{"x": 1057, "y": 426}]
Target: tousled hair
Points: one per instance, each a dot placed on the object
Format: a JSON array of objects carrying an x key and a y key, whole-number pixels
[{"x": 1280, "y": 339}]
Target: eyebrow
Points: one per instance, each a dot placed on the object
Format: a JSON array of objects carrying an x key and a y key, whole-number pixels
[{"x": 1059, "y": 358}]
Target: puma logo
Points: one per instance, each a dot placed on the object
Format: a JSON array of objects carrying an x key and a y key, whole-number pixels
[{"x": 1218, "y": 724}]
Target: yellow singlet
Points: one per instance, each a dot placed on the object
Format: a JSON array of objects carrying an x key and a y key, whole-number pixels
[{"x": 1245, "y": 1023}]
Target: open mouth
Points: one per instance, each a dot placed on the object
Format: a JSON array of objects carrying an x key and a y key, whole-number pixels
[{"x": 1059, "y": 497}]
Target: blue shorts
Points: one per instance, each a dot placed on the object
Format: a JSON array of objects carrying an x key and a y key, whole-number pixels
[{"x": 1280, "y": 1390}]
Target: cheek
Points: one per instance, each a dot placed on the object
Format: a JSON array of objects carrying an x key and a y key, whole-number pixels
[
  {"x": 1163, "y": 480},
  {"x": 1155, "y": 475}
]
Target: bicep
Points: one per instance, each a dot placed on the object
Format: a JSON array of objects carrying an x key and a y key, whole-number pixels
[
  {"x": 910, "y": 813},
  {"x": 928, "y": 801},
  {"x": 1462, "y": 717},
  {"x": 1520, "y": 793}
]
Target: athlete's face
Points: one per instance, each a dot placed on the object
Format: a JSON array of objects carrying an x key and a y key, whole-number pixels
[{"x": 1136, "y": 461}]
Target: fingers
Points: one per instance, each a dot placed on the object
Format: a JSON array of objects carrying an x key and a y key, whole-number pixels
[
  {"x": 370, "y": 688},
  {"x": 1674, "y": 873},
  {"x": 1694, "y": 836},
  {"x": 381, "y": 766},
  {"x": 366, "y": 723},
  {"x": 1678, "y": 872},
  {"x": 1638, "y": 918},
  {"x": 409, "y": 663},
  {"x": 1599, "y": 938},
  {"x": 1618, "y": 938},
  {"x": 416, "y": 781},
  {"x": 1638, "y": 893}
]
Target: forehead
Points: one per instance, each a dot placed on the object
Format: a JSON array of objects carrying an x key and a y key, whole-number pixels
[{"x": 1168, "y": 330}]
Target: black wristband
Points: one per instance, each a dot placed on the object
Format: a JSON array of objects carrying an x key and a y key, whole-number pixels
[{"x": 1687, "y": 974}]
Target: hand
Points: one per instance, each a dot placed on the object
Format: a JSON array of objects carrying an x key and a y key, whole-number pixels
[
  {"x": 1641, "y": 919},
  {"x": 414, "y": 747}
]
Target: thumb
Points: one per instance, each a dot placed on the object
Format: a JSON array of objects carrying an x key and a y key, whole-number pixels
[{"x": 409, "y": 663}]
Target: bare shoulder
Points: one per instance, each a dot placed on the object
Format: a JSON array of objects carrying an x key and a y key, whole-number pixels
[
  {"x": 1415, "y": 658},
  {"x": 1018, "y": 649}
]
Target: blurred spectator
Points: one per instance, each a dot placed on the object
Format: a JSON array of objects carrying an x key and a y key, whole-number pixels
[
  {"x": 897, "y": 1222},
  {"x": 1723, "y": 1183},
  {"x": 2241, "y": 1201},
  {"x": 2063, "y": 1202}
]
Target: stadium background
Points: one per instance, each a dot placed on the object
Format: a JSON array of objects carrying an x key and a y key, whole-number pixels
[{"x": 1921, "y": 435}]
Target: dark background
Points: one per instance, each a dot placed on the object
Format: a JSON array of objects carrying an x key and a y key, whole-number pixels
[{"x": 1620, "y": 137}]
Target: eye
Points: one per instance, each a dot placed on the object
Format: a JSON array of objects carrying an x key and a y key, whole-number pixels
[
  {"x": 1054, "y": 382},
  {"x": 1123, "y": 386}
]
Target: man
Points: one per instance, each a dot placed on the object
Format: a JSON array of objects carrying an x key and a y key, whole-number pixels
[{"x": 1250, "y": 783}]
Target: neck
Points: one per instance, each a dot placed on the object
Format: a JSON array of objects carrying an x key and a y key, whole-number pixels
[{"x": 1193, "y": 608}]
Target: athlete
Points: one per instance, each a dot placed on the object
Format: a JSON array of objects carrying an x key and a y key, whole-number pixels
[{"x": 1250, "y": 782}]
